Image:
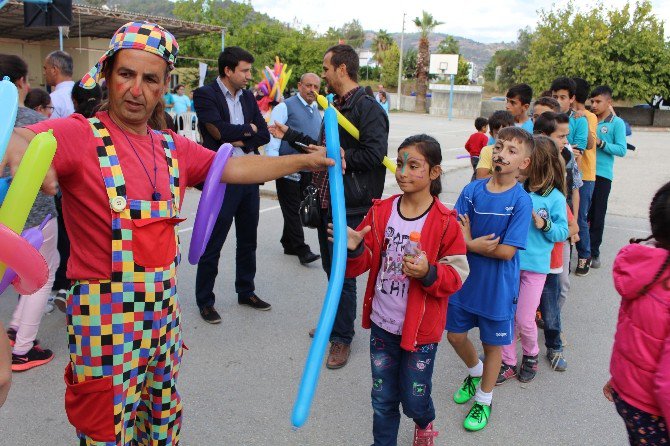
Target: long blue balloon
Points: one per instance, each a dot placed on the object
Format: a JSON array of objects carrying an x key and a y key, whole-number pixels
[
  {"x": 317, "y": 351},
  {"x": 9, "y": 98}
]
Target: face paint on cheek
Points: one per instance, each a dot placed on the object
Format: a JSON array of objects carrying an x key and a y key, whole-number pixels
[{"x": 404, "y": 163}]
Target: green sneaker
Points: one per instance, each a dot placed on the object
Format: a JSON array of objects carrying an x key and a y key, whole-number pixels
[
  {"x": 478, "y": 417},
  {"x": 467, "y": 389}
]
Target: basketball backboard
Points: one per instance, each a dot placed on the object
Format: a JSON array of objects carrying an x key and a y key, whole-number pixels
[{"x": 444, "y": 64}]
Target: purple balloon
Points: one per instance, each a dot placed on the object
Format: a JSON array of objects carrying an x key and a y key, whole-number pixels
[
  {"x": 209, "y": 205},
  {"x": 35, "y": 237},
  {"x": 462, "y": 156}
]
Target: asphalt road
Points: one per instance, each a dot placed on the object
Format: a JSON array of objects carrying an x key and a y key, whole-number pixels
[{"x": 239, "y": 379}]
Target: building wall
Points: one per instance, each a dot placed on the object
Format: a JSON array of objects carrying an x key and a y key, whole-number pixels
[
  {"x": 467, "y": 100},
  {"x": 84, "y": 54}
]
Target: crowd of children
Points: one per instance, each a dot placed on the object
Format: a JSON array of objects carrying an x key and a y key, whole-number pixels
[{"x": 515, "y": 224}]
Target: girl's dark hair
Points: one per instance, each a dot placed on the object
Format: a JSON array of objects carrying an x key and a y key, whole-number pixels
[
  {"x": 174, "y": 90},
  {"x": 659, "y": 218},
  {"x": 87, "y": 100},
  {"x": 431, "y": 150},
  {"x": 547, "y": 168},
  {"x": 37, "y": 97},
  {"x": 13, "y": 67}
]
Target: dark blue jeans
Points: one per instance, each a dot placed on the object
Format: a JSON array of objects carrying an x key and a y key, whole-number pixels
[
  {"x": 601, "y": 194},
  {"x": 343, "y": 327},
  {"x": 585, "y": 196},
  {"x": 242, "y": 204},
  {"x": 551, "y": 312},
  {"x": 399, "y": 376}
]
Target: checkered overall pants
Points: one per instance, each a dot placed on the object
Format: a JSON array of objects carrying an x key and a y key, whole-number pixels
[{"x": 124, "y": 334}]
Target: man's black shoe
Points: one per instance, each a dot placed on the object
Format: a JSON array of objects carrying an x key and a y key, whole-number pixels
[
  {"x": 254, "y": 302},
  {"x": 308, "y": 258},
  {"x": 210, "y": 315}
]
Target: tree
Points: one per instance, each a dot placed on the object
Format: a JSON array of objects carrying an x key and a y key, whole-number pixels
[
  {"x": 426, "y": 23},
  {"x": 390, "y": 68},
  {"x": 265, "y": 38},
  {"x": 381, "y": 43},
  {"x": 624, "y": 48},
  {"x": 409, "y": 63},
  {"x": 450, "y": 46}
]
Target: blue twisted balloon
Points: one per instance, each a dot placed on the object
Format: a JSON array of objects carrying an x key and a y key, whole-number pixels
[
  {"x": 9, "y": 98},
  {"x": 317, "y": 351}
]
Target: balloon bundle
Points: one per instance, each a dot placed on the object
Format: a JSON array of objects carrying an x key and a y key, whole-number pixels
[
  {"x": 28, "y": 270},
  {"x": 275, "y": 80}
]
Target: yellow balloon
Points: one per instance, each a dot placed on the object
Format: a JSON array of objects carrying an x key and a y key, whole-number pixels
[
  {"x": 352, "y": 130},
  {"x": 390, "y": 165},
  {"x": 27, "y": 182}
]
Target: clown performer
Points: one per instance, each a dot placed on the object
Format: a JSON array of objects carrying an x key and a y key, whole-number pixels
[{"x": 123, "y": 185}]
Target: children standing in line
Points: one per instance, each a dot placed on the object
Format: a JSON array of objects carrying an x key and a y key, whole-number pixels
[
  {"x": 563, "y": 89},
  {"x": 518, "y": 102},
  {"x": 587, "y": 167},
  {"x": 610, "y": 142},
  {"x": 494, "y": 214},
  {"x": 546, "y": 186},
  {"x": 477, "y": 141},
  {"x": 640, "y": 365},
  {"x": 499, "y": 119},
  {"x": 406, "y": 296}
]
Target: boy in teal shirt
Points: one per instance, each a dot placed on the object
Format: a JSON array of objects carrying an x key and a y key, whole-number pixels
[
  {"x": 610, "y": 142},
  {"x": 563, "y": 89}
]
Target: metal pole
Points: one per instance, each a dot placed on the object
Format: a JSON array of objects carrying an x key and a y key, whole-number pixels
[
  {"x": 402, "y": 39},
  {"x": 60, "y": 37},
  {"x": 451, "y": 97},
  {"x": 223, "y": 39}
]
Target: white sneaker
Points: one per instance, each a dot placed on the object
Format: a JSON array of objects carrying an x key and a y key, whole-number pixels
[{"x": 60, "y": 300}]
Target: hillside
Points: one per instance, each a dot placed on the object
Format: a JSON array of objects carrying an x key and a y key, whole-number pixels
[{"x": 477, "y": 52}]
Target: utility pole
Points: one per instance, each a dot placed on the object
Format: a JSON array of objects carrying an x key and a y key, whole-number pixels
[{"x": 402, "y": 39}]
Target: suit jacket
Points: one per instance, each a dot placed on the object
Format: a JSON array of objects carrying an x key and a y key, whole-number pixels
[{"x": 211, "y": 107}]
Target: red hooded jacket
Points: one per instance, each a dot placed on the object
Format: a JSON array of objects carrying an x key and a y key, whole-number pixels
[
  {"x": 442, "y": 240},
  {"x": 640, "y": 364}
]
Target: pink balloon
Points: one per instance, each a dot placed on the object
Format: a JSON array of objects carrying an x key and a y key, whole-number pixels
[{"x": 24, "y": 259}]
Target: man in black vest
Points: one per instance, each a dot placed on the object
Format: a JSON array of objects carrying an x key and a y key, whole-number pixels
[
  {"x": 227, "y": 112},
  {"x": 299, "y": 112},
  {"x": 363, "y": 178}
]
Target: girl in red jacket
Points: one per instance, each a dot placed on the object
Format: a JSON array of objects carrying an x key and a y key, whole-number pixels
[
  {"x": 407, "y": 291},
  {"x": 640, "y": 365}
]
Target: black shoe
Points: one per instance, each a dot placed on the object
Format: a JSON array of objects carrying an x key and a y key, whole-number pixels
[
  {"x": 583, "y": 266},
  {"x": 254, "y": 302},
  {"x": 210, "y": 315},
  {"x": 308, "y": 258},
  {"x": 288, "y": 252},
  {"x": 528, "y": 369}
]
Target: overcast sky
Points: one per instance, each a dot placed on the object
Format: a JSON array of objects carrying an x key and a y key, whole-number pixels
[{"x": 480, "y": 20}]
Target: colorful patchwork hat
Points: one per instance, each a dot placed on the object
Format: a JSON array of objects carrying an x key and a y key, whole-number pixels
[{"x": 144, "y": 36}]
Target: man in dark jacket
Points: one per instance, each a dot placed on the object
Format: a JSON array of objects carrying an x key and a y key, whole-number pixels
[
  {"x": 227, "y": 112},
  {"x": 363, "y": 179}
]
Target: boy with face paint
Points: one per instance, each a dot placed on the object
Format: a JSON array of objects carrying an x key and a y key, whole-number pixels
[{"x": 495, "y": 214}]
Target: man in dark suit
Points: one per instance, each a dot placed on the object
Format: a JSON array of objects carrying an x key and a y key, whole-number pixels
[{"x": 227, "y": 112}]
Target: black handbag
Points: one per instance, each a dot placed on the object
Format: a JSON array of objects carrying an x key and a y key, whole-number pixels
[{"x": 310, "y": 208}]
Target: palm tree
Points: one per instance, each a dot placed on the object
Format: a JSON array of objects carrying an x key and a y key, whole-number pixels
[
  {"x": 381, "y": 44},
  {"x": 426, "y": 24}
]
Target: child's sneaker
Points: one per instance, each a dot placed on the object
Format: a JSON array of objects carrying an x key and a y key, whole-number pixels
[
  {"x": 528, "y": 369},
  {"x": 424, "y": 437},
  {"x": 595, "y": 262},
  {"x": 11, "y": 334},
  {"x": 478, "y": 417},
  {"x": 506, "y": 372},
  {"x": 34, "y": 358},
  {"x": 467, "y": 389},
  {"x": 583, "y": 266},
  {"x": 538, "y": 320},
  {"x": 558, "y": 362},
  {"x": 60, "y": 300}
]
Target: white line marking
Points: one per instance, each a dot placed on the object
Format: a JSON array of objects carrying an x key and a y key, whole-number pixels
[
  {"x": 185, "y": 230},
  {"x": 629, "y": 229}
]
